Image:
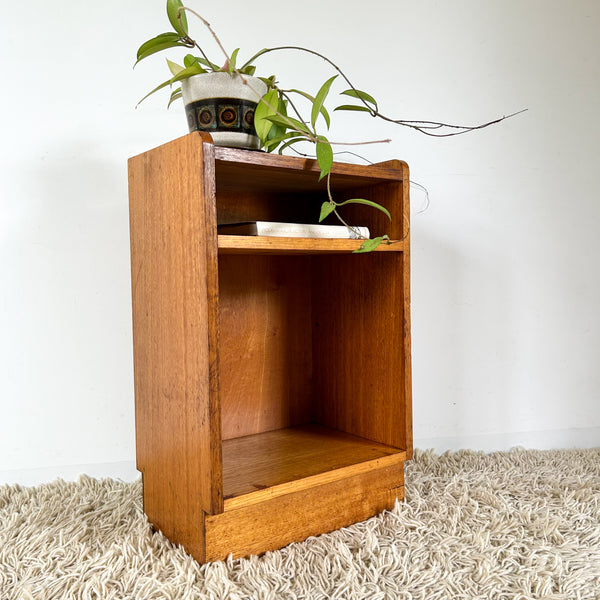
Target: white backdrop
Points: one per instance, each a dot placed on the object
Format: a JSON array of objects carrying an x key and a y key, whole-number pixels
[{"x": 506, "y": 284}]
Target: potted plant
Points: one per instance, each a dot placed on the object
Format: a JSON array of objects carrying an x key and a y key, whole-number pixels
[{"x": 241, "y": 109}]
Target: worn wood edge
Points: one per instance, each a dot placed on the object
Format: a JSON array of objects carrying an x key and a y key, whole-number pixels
[
  {"x": 313, "y": 480},
  {"x": 407, "y": 310},
  {"x": 132, "y": 171},
  {"x": 381, "y": 172},
  {"x": 406, "y": 230},
  {"x": 212, "y": 284},
  {"x": 391, "y": 170},
  {"x": 240, "y": 244}
]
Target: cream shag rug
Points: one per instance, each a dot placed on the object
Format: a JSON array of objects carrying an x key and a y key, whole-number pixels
[{"x": 514, "y": 525}]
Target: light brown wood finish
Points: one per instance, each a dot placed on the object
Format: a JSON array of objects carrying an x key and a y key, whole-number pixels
[
  {"x": 239, "y": 244},
  {"x": 263, "y": 466},
  {"x": 289, "y": 174},
  {"x": 404, "y": 203},
  {"x": 358, "y": 335},
  {"x": 290, "y": 518},
  {"x": 256, "y": 358},
  {"x": 173, "y": 264},
  {"x": 265, "y": 347}
]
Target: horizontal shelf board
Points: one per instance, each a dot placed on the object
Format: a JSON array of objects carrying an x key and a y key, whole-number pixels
[
  {"x": 241, "y": 244},
  {"x": 248, "y": 169},
  {"x": 259, "y": 467}
]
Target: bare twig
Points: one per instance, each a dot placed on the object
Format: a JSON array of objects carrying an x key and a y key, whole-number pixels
[
  {"x": 386, "y": 141},
  {"x": 207, "y": 25},
  {"x": 425, "y": 127}
]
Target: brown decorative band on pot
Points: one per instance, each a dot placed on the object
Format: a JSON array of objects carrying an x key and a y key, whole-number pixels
[{"x": 221, "y": 114}]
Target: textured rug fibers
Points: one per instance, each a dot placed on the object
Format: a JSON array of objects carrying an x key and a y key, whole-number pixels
[{"x": 515, "y": 525}]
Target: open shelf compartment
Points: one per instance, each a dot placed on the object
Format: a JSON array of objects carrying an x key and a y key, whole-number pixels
[
  {"x": 254, "y": 186},
  {"x": 307, "y": 389},
  {"x": 267, "y": 465}
]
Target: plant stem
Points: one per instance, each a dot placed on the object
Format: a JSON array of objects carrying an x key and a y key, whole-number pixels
[
  {"x": 386, "y": 141},
  {"x": 337, "y": 214},
  {"x": 421, "y": 126},
  {"x": 287, "y": 97},
  {"x": 311, "y": 137},
  {"x": 207, "y": 25},
  {"x": 202, "y": 52}
]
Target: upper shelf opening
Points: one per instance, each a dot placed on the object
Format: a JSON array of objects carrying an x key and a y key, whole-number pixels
[{"x": 247, "y": 169}]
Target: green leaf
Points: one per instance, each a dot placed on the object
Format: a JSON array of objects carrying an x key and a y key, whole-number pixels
[
  {"x": 290, "y": 142},
  {"x": 266, "y": 107},
  {"x": 305, "y": 94},
  {"x": 189, "y": 60},
  {"x": 183, "y": 74},
  {"x": 324, "y": 156},
  {"x": 367, "y": 203},
  {"x": 320, "y": 99},
  {"x": 254, "y": 57},
  {"x": 360, "y": 94},
  {"x": 187, "y": 72},
  {"x": 158, "y": 87},
  {"x": 161, "y": 38},
  {"x": 174, "y": 96},
  {"x": 160, "y": 42},
  {"x": 276, "y": 131},
  {"x": 249, "y": 70},
  {"x": 269, "y": 81},
  {"x": 290, "y": 123},
  {"x": 326, "y": 209},
  {"x": 200, "y": 61},
  {"x": 177, "y": 18},
  {"x": 352, "y": 107},
  {"x": 272, "y": 143},
  {"x": 312, "y": 99},
  {"x": 232, "y": 59},
  {"x": 370, "y": 245},
  {"x": 174, "y": 67}
]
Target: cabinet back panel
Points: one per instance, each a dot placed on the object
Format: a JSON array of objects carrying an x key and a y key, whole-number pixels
[
  {"x": 359, "y": 346},
  {"x": 265, "y": 359},
  {"x": 248, "y": 205}
]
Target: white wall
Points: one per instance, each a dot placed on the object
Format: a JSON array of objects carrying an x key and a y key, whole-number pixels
[{"x": 506, "y": 285}]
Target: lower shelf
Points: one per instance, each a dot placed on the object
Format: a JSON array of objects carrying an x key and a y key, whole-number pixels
[
  {"x": 240, "y": 244},
  {"x": 260, "y": 467}
]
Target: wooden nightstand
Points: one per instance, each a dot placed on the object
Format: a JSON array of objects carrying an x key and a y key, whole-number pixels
[{"x": 272, "y": 375}]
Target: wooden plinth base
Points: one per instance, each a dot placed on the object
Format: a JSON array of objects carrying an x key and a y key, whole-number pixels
[{"x": 284, "y": 486}]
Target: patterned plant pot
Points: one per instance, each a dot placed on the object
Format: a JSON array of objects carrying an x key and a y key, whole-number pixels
[{"x": 223, "y": 105}]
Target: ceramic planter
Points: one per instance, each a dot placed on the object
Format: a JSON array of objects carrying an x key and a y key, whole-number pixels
[{"x": 223, "y": 105}]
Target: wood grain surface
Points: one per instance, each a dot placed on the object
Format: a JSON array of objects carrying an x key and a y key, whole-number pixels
[
  {"x": 260, "y": 467},
  {"x": 265, "y": 346},
  {"x": 272, "y": 375},
  {"x": 240, "y": 244},
  {"x": 292, "y": 517},
  {"x": 174, "y": 289}
]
